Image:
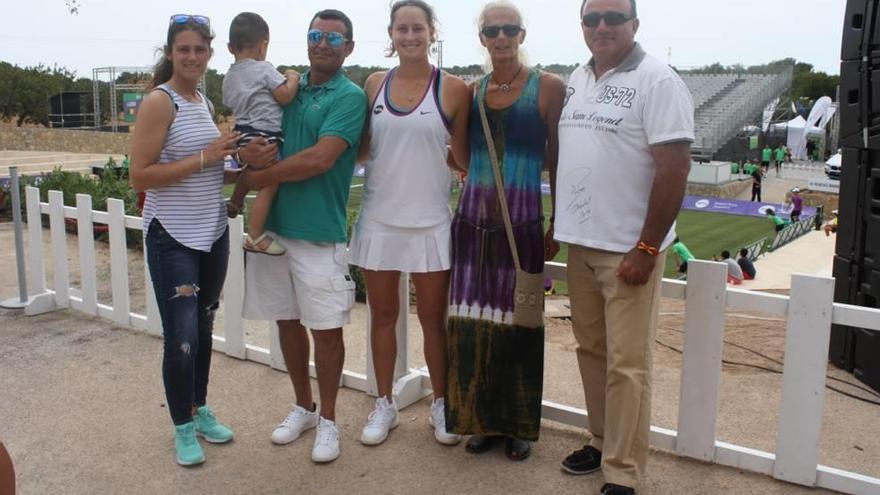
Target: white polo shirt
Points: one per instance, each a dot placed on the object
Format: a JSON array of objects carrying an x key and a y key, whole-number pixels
[{"x": 606, "y": 131}]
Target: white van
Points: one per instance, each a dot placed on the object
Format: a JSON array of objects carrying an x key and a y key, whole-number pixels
[{"x": 832, "y": 166}]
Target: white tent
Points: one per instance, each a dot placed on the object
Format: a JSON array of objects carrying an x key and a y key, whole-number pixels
[{"x": 797, "y": 137}]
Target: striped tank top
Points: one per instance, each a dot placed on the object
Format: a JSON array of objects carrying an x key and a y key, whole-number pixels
[
  {"x": 407, "y": 179},
  {"x": 192, "y": 210}
]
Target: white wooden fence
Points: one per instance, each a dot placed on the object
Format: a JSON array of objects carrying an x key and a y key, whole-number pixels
[{"x": 809, "y": 310}]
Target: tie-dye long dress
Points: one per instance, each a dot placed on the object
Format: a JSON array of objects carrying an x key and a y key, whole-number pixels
[{"x": 495, "y": 369}]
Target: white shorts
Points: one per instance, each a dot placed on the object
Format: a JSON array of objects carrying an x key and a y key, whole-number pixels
[
  {"x": 310, "y": 283},
  {"x": 376, "y": 246}
]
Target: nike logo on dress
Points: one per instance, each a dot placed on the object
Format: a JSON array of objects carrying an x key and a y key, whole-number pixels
[{"x": 424, "y": 112}]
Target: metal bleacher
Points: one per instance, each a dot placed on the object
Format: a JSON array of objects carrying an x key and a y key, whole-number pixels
[{"x": 725, "y": 103}]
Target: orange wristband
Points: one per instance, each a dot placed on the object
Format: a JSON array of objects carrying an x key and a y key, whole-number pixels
[{"x": 645, "y": 248}]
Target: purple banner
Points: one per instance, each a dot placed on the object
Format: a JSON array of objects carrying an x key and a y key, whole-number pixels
[{"x": 739, "y": 207}]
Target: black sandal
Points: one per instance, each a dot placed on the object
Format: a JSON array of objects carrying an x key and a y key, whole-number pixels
[
  {"x": 516, "y": 449},
  {"x": 477, "y": 444}
]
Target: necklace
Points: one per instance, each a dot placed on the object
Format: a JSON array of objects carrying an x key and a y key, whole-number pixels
[{"x": 505, "y": 87}]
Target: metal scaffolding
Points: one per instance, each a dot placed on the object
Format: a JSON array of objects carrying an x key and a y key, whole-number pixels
[{"x": 110, "y": 75}]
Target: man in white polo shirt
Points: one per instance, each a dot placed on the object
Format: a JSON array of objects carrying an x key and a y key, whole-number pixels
[{"x": 624, "y": 158}]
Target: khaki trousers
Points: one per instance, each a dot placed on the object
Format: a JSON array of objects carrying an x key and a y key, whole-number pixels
[{"x": 614, "y": 325}]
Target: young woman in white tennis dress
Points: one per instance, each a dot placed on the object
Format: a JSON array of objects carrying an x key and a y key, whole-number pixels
[{"x": 416, "y": 114}]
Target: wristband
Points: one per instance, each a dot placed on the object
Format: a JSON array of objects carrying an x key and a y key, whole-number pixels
[{"x": 646, "y": 248}]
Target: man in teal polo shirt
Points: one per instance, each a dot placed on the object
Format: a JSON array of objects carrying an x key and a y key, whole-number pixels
[{"x": 310, "y": 286}]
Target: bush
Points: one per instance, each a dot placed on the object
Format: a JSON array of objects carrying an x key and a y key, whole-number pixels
[{"x": 112, "y": 184}]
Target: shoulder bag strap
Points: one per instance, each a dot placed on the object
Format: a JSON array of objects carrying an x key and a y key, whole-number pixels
[{"x": 499, "y": 181}]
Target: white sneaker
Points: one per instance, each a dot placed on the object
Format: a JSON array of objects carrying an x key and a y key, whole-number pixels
[
  {"x": 326, "y": 447},
  {"x": 438, "y": 421},
  {"x": 298, "y": 421},
  {"x": 382, "y": 420}
]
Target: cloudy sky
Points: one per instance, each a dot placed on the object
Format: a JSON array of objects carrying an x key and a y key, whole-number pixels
[{"x": 695, "y": 32}]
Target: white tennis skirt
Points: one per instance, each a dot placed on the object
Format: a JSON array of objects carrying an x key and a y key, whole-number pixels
[{"x": 376, "y": 246}]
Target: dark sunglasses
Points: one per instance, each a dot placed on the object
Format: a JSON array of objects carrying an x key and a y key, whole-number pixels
[
  {"x": 184, "y": 18},
  {"x": 333, "y": 38},
  {"x": 612, "y": 18},
  {"x": 510, "y": 30}
]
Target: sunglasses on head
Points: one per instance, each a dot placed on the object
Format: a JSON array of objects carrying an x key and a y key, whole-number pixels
[
  {"x": 612, "y": 18},
  {"x": 184, "y": 18},
  {"x": 333, "y": 38},
  {"x": 510, "y": 30}
]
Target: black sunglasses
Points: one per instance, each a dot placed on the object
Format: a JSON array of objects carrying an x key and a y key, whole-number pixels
[
  {"x": 510, "y": 30},
  {"x": 612, "y": 18}
]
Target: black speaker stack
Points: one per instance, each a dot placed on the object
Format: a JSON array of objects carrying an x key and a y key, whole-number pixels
[{"x": 857, "y": 260}]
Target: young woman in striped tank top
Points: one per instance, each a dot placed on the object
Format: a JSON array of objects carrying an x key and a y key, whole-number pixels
[
  {"x": 177, "y": 158},
  {"x": 416, "y": 111}
]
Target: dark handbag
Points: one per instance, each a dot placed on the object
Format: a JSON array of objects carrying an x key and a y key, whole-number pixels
[{"x": 528, "y": 293}]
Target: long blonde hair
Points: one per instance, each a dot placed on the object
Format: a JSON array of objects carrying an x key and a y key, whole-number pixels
[{"x": 481, "y": 22}]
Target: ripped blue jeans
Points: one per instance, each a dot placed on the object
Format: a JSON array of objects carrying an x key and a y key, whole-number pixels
[{"x": 187, "y": 283}]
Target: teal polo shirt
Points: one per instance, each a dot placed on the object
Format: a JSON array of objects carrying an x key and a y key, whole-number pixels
[{"x": 315, "y": 209}]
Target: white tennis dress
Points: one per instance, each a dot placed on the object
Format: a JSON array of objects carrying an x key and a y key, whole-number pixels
[{"x": 405, "y": 217}]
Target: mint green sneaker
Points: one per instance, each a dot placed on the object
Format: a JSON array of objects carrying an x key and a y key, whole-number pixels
[
  {"x": 209, "y": 428},
  {"x": 189, "y": 452}
]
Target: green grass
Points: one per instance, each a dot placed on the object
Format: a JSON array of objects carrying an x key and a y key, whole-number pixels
[{"x": 705, "y": 234}]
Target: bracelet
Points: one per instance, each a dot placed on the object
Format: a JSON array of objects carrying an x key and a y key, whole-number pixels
[
  {"x": 646, "y": 248},
  {"x": 202, "y": 161},
  {"x": 241, "y": 164}
]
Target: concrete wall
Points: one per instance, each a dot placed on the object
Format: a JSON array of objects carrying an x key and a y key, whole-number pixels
[
  {"x": 727, "y": 191},
  {"x": 68, "y": 140}
]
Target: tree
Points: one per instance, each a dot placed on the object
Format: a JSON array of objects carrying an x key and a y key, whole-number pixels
[
  {"x": 29, "y": 102},
  {"x": 72, "y": 6},
  {"x": 814, "y": 85},
  {"x": 214, "y": 89}
]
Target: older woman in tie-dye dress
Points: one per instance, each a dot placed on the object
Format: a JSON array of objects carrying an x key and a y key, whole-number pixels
[{"x": 495, "y": 370}]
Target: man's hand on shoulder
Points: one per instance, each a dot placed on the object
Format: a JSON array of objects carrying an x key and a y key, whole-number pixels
[{"x": 636, "y": 267}]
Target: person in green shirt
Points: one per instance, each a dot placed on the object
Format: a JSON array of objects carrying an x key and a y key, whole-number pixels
[
  {"x": 310, "y": 286},
  {"x": 778, "y": 222},
  {"x": 779, "y": 158},
  {"x": 766, "y": 156},
  {"x": 681, "y": 255}
]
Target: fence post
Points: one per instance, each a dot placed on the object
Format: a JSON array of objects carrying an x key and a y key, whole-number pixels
[
  {"x": 701, "y": 362},
  {"x": 119, "y": 262},
  {"x": 276, "y": 357},
  {"x": 22, "y": 300},
  {"x": 401, "y": 330},
  {"x": 154, "y": 319},
  {"x": 408, "y": 385},
  {"x": 807, "y": 340},
  {"x": 59, "y": 249},
  {"x": 87, "y": 268},
  {"x": 233, "y": 292},
  {"x": 36, "y": 267}
]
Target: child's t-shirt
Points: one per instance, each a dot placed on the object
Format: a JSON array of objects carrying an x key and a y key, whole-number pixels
[{"x": 247, "y": 91}]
